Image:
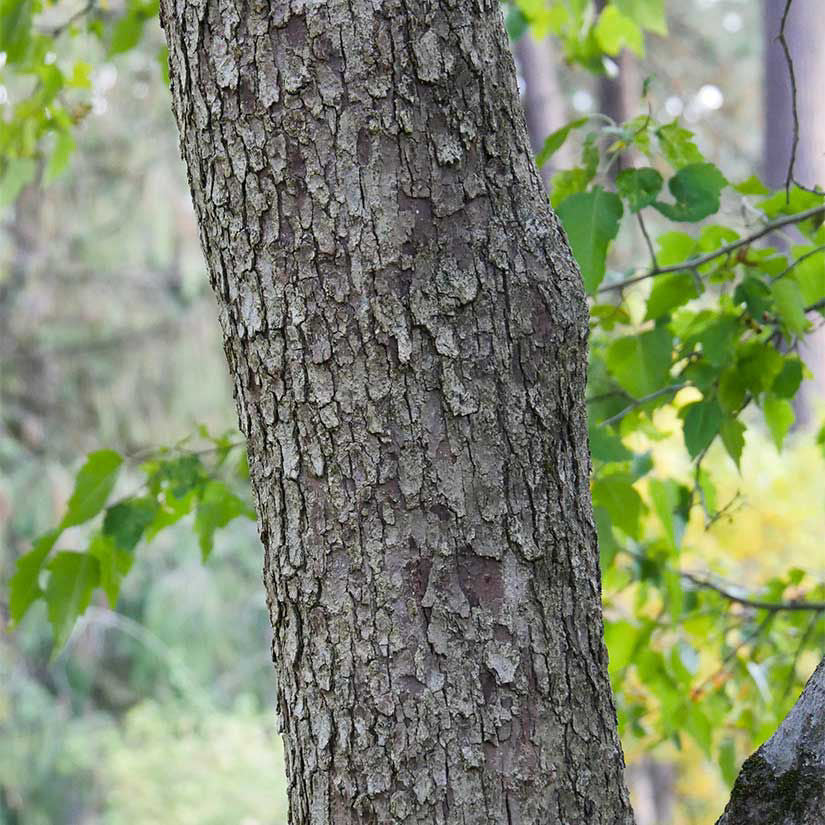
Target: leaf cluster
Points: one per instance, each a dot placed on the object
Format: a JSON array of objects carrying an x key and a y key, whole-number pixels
[
  {"x": 702, "y": 339},
  {"x": 49, "y": 88},
  {"x": 176, "y": 482}
]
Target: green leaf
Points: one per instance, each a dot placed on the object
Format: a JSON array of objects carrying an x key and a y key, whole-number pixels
[
  {"x": 614, "y": 31},
  {"x": 621, "y": 638},
  {"x": 607, "y": 316},
  {"x": 639, "y": 187},
  {"x": 163, "y": 63},
  {"x": 757, "y": 365},
  {"x": 92, "y": 487},
  {"x": 605, "y": 445},
  {"x": 72, "y": 578},
  {"x": 18, "y": 173},
  {"x": 779, "y": 416},
  {"x": 671, "y": 501},
  {"x": 675, "y": 248},
  {"x": 182, "y": 475},
  {"x": 670, "y": 292},
  {"x": 59, "y": 158},
  {"x": 714, "y": 237},
  {"x": 15, "y": 28},
  {"x": 24, "y": 585},
  {"x": 732, "y": 431},
  {"x": 810, "y": 272},
  {"x": 699, "y": 727},
  {"x": 696, "y": 188},
  {"x": 649, "y": 14},
  {"x": 516, "y": 23},
  {"x": 752, "y": 186},
  {"x": 608, "y": 546},
  {"x": 591, "y": 220},
  {"x": 616, "y": 494},
  {"x": 51, "y": 82},
  {"x": 788, "y": 381},
  {"x": 568, "y": 182},
  {"x": 590, "y": 153},
  {"x": 701, "y": 424},
  {"x": 708, "y": 489},
  {"x": 727, "y": 761},
  {"x": 115, "y": 563},
  {"x": 171, "y": 512},
  {"x": 677, "y": 145},
  {"x": 755, "y": 295},
  {"x": 556, "y": 140},
  {"x": 126, "y": 34},
  {"x": 717, "y": 339},
  {"x": 218, "y": 506},
  {"x": 641, "y": 363},
  {"x": 795, "y": 201},
  {"x": 125, "y": 522},
  {"x": 790, "y": 305},
  {"x": 80, "y": 75}
]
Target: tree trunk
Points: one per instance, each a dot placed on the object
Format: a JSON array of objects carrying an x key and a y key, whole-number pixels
[
  {"x": 407, "y": 334},
  {"x": 783, "y": 783}
]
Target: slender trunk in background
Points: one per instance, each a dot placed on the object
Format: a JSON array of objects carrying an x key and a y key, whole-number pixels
[
  {"x": 543, "y": 101},
  {"x": 407, "y": 334},
  {"x": 23, "y": 377},
  {"x": 619, "y": 95},
  {"x": 805, "y": 34}
]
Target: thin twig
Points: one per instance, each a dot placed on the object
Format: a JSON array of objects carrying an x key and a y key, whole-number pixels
[
  {"x": 637, "y": 402},
  {"x": 82, "y": 12},
  {"x": 647, "y": 240},
  {"x": 694, "y": 263},
  {"x": 756, "y": 604},
  {"x": 789, "y": 177},
  {"x": 799, "y": 260}
]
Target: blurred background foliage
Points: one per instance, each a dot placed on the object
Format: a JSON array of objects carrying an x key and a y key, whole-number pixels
[{"x": 162, "y": 711}]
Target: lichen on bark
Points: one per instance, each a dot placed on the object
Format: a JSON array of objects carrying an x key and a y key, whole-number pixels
[{"x": 406, "y": 331}]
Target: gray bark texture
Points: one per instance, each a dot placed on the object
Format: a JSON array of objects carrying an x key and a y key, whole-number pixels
[
  {"x": 407, "y": 333},
  {"x": 783, "y": 783}
]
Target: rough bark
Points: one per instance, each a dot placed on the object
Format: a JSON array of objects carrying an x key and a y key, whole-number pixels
[
  {"x": 805, "y": 34},
  {"x": 406, "y": 330},
  {"x": 783, "y": 783}
]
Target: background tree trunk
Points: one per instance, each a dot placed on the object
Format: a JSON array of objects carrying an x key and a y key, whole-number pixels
[
  {"x": 805, "y": 34},
  {"x": 406, "y": 330},
  {"x": 543, "y": 101},
  {"x": 619, "y": 95}
]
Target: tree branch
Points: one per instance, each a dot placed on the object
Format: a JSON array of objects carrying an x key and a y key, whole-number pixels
[
  {"x": 783, "y": 783},
  {"x": 694, "y": 263},
  {"x": 637, "y": 402},
  {"x": 756, "y": 604}
]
